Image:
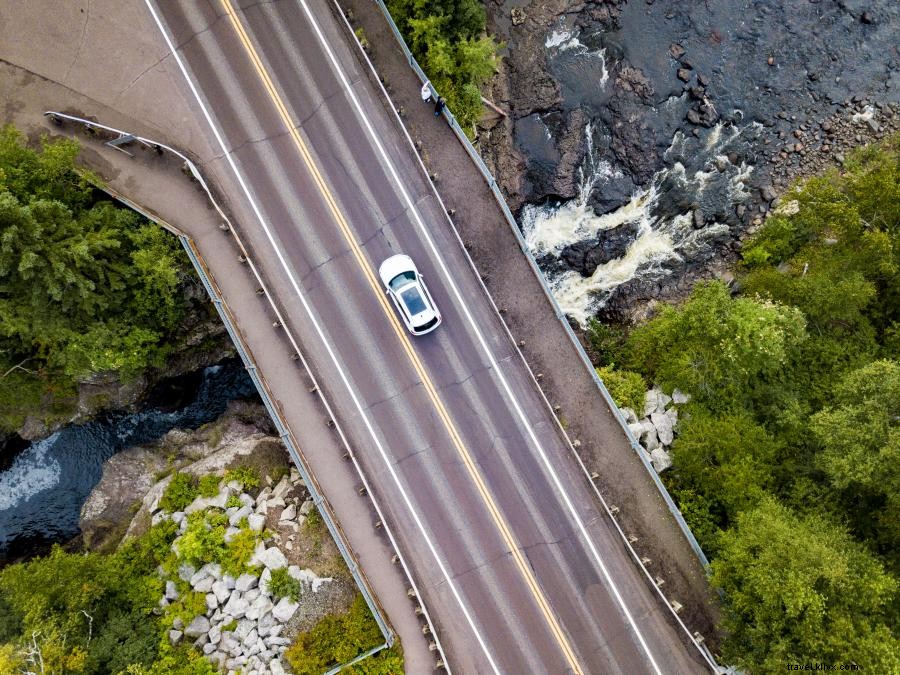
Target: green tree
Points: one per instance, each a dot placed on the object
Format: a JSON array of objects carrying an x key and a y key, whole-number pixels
[
  {"x": 860, "y": 439},
  {"x": 718, "y": 348},
  {"x": 801, "y": 590}
]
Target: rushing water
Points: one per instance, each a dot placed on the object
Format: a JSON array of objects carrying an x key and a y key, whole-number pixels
[{"x": 42, "y": 492}]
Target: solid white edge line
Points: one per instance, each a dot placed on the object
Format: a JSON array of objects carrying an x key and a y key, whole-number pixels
[
  {"x": 321, "y": 335},
  {"x": 465, "y": 310}
]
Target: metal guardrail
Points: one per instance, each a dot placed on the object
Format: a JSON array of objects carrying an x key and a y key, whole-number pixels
[
  {"x": 262, "y": 389},
  {"x": 560, "y": 315}
]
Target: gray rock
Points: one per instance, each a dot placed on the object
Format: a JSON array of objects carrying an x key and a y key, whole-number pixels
[
  {"x": 171, "y": 591},
  {"x": 650, "y": 440},
  {"x": 203, "y": 503},
  {"x": 289, "y": 513},
  {"x": 283, "y": 487},
  {"x": 178, "y": 516},
  {"x": 212, "y": 602},
  {"x": 174, "y": 637},
  {"x": 251, "y": 638},
  {"x": 229, "y": 581},
  {"x": 629, "y": 415},
  {"x": 679, "y": 397},
  {"x": 307, "y": 507},
  {"x": 663, "y": 425},
  {"x": 221, "y": 591},
  {"x": 199, "y": 626},
  {"x": 245, "y": 582},
  {"x": 177, "y": 623},
  {"x": 215, "y": 634},
  {"x": 243, "y": 629},
  {"x": 284, "y": 610},
  {"x": 272, "y": 558},
  {"x": 204, "y": 585},
  {"x": 209, "y": 648},
  {"x": 660, "y": 459},
  {"x": 256, "y": 521},
  {"x": 264, "y": 581},
  {"x": 185, "y": 572},
  {"x": 246, "y": 500},
  {"x": 236, "y": 606},
  {"x": 231, "y": 533},
  {"x": 252, "y": 595}
]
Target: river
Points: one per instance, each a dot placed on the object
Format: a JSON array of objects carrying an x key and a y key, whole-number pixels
[{"x": 42, "y": 492}]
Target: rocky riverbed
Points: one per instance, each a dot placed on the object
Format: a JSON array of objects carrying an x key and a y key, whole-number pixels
[{"x": 647, "y": 138}]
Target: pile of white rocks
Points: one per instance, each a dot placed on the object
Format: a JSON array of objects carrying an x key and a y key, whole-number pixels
[
  {"x": 656, "y": 429},
  {"x": 240, "y": 632}
]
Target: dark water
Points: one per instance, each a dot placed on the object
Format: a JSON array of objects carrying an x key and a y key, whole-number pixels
[
  {"x": 687, "y": 188},
  {"x": 42, "y": 492}
]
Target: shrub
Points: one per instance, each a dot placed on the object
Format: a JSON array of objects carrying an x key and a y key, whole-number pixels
[
  {"x": 247, "y": 476},
  {"x": 238, "y": 551},
  {"x": 626, "y": 387},
  {"x": 201, "y": 542},
  {"x": 181, "y": 491},
  {"x": 233, "y": 502},
  {"x": 209, "y": 486},
  {"x": 283, "y": 585},
  {"x": 335, "y": 639}
]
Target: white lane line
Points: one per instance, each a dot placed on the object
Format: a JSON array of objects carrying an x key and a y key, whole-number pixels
[
  {"x": 465, "y": 310},
  {"x": 321, "y": 334}
]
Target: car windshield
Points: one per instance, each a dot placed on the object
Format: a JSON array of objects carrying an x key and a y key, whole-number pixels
[
  {"x": 402, "y": 280},
  {"x": 413, "y": 300}
]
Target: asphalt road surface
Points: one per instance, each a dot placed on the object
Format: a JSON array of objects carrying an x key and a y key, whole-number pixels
[{"x": 519, "y": 567}]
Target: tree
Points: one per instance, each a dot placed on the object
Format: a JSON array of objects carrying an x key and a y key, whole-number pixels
[
  {"x": 860, "y": 439},
  {"x": 800, "y": 590},
  {"x": 716, "y": 347}
]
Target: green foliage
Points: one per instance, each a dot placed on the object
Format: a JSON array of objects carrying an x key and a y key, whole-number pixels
[
  {"x": 801, "y": 590},
  {"x": 448, "y": 41},
  {"x": 208, "y": 486},
  {"x": 716, "y": 347},
  {"x": 283, "y": 585},
  {"x": 181, "y": 491},
  {"x": 785, "y": 463},
  {"x": 337, "y": 639},
  {"x": 238, "y": 551},
  {"x": 626, "y": 387},
  {"x": 201, "y": 541},
  {"x": 233, "y": 502},
  {"x": 85, "y": 286},
  {"x": 247, "y": 476}
]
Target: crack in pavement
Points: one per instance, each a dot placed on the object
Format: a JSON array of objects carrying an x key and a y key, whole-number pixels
[{"x": 87, "y": 18}]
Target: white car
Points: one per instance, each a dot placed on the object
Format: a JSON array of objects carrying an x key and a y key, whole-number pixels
[{"x": 407, "y": 289}]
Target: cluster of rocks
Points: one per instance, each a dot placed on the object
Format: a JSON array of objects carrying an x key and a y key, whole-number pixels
[
  {"x": 241, "y": 630},
  {"x": 702, "y": 111},
  {"x": 655, "y": 429}
]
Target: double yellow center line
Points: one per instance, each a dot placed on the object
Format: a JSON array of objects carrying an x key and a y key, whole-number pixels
[{"x": 369, "y": 273}]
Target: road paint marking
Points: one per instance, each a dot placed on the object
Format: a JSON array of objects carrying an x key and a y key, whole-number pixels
[
  {"x": 472, "y": 323},
  {"x": 356, "y": 402},
  {"x": 418, "y": 366}
]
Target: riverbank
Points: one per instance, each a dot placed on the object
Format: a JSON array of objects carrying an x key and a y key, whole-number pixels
[{"x": 645, "y": 140}]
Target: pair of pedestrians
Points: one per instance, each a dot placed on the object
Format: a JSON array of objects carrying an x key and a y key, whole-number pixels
[{"x": 439, "y": 103}]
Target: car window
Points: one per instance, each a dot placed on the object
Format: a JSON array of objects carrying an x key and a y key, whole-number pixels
[
  {"x": 402, "y": 280},
  {"x": 413, "y": 301}
]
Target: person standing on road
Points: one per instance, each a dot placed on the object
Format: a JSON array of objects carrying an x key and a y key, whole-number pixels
[
  {"x": 439, "y": 106},
  {"x": 426, "y": 92}
]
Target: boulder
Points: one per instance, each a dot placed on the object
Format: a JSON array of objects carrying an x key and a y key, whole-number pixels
[
  {"x": 289, "y": 513},
  {"x": 171, "y": 591},
  {"x": 679, "y": 397},
  {"x": 231, "y": 533},
  {"x": 629, "y": 415},
  {"x": 283, "y": 487},
  {"x": 256, "y": 521},
  {"x": 236, "y": 606},
  {"x": 251, "y": 638},
  {"x": 307, "y": 507},
  {"x": 203, "y": 503},
  {"x": 660, "y": 459},
  {"x": 245, "y": 582},
  {"x": 174, "y": 637},
  {"x": 284, "y": 610},
  {"x": 663, "y": 425},
  {"x": 185, "y": 571},
  {"x": 209, "y": 648},
  {"x": 211, "y": 602},
  {"x": 204, "y": 585},
  {"x": 272, "y": 558},
  {"x": 215, "y": 634},
  {"x": 655, "y": 401},
  {"x": 229, "y": 581},
  {"x": 246, "y": 500},
  {"x": 221, "y": 591},
  {"x": 199, "y": 626},
  {"x": 650, "y": 440}
]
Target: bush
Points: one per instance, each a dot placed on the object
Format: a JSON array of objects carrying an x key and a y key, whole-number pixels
[
  {"x": 181, "y": 491},
  {"x": 283, "y": 585},
  {"x": 626, "y": 387},
  {"x": 335, "y": 639},
  {"x": 209, "y": 486},
  {"x": 247, "y": 476}
]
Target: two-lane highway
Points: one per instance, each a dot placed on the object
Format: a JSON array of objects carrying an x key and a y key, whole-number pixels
[{"x": 518, "y": 565}]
